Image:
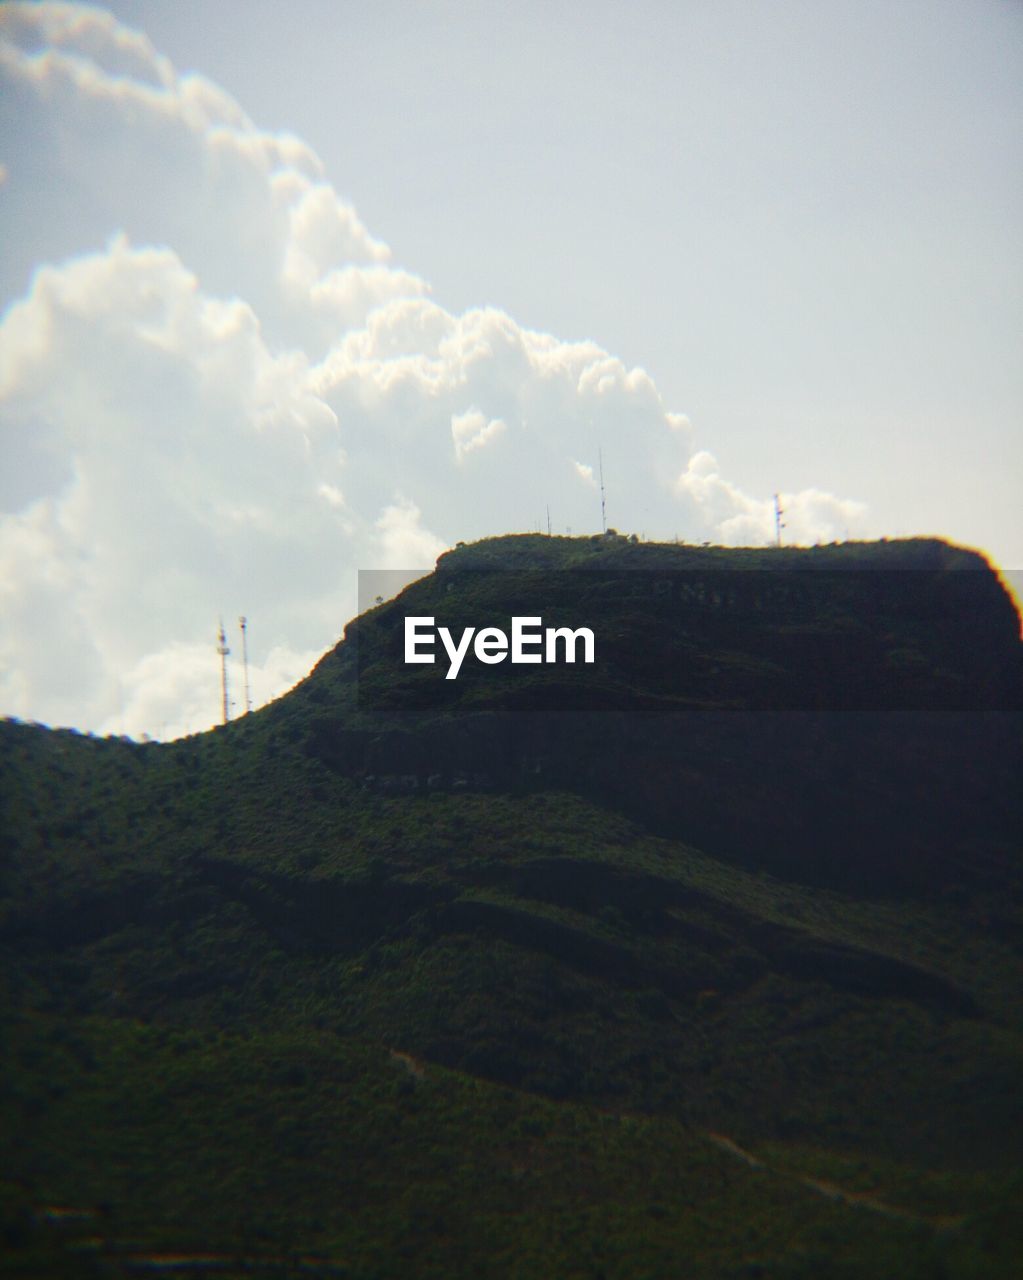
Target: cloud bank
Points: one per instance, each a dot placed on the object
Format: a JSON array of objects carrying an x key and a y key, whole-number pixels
[{"x": 219, "y": 394}]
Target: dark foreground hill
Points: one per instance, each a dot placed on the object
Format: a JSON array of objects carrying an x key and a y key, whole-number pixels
[{"x": 703, "y": 960}]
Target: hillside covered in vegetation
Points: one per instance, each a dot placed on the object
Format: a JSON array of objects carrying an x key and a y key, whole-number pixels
[{"x": 704, "y": 959}]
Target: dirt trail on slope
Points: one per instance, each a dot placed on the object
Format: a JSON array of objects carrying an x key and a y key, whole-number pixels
[{"x": 832, "y": 1190}]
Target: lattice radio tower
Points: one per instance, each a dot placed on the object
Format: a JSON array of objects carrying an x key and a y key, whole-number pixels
[
  {"x": 243, "y": 623},
  {"x": 779, "y": 523},
  {"x": 223, "y": 650},
  {"x": 603, "y": 502}
]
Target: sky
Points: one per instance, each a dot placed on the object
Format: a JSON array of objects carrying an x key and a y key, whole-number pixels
[{"x": 293, "y": 291}]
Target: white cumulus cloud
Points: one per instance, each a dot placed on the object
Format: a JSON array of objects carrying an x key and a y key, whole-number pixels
[
  {"x": 740, "y": 520},
  {"x": 471, "y": 430},
  {"x": 220, "y": 395}
]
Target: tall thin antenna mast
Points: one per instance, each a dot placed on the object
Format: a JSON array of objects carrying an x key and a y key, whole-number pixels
[
  {"x": 603, "y": 503},
  {"x": 779, "y": 524},
  {"x": 223, "y": 650},
  {"x": 548, "y": 519},
  {"x": 245, "y": 663}
]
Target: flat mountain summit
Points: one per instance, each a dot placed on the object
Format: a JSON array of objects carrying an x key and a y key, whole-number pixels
[{"x": 703, "y": 958}]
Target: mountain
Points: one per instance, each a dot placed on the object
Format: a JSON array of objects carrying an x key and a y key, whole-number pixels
[{"x": 703, "y": 958}]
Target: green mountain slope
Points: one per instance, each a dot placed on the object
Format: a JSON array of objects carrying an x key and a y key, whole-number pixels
[{"x": 703, "y": 960}]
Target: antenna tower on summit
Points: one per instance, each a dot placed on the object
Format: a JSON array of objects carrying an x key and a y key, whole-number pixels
[
  {"x": 603, "y": 503},
  {"x": 779, "y": 523},
  {"x": 243, "y": 623},
  {"x": 223, "y": 650}
]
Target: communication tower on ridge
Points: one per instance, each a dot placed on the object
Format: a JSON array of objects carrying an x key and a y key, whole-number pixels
[
  {"x": 779, "y": 523},
  {"x": 243, "y": 623},
  {"x": 223, "y": 650},
  {"x": 603, "y": 504}
]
